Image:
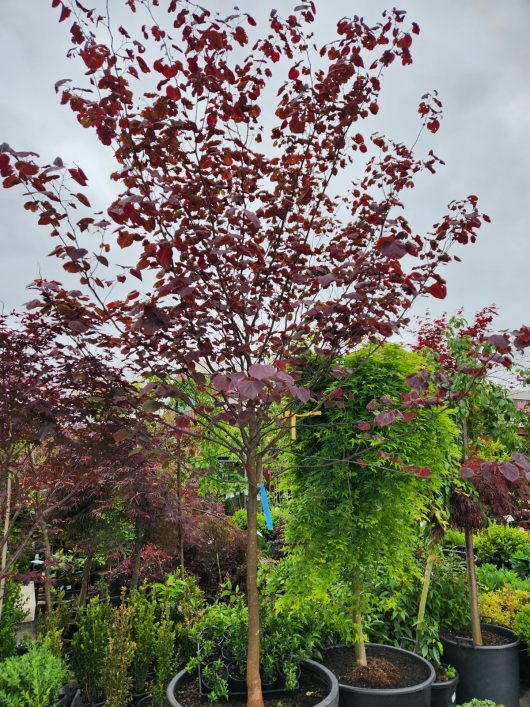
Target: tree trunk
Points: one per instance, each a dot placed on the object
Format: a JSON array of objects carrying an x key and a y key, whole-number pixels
[
  {"x": 48, "y": 561},
  {"x": 476, "y": 630},
  {"x": 360, "y": 645},
  {"x": 3, "y": 563},
  {"x": 254, "y": 693},
  {"x": 431, "y": 557},
  {"x": 138, "y": 544},
  {"x": 179, "y": 509},
  {"x": 87, "y": 569}
]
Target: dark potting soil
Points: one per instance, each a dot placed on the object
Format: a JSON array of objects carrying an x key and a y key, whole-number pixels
[
  {"x": 386, "y": 669},
  {"x": 489, "y": 638},
  {"x": 311, "y": 692},
  {"x": 441, "y": 676}
]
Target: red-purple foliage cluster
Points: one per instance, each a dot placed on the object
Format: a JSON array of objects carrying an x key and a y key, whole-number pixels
[
  {"x": 432, "y": 334},
  {"x": 466, "y": 512},
  {"x": 155, "y": 565},
  {"x": 502, "y": 487},
  {"x": 60, "y": 407},
  {"x": 251, "y": 264}
]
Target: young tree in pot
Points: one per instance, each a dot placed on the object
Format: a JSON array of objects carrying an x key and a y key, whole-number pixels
[
  {"x": 247, "y": 264},
  {"x": 358, "y": 496},
  {"x": 464, "y": 356},
  {"x": 487, "y": 657}
]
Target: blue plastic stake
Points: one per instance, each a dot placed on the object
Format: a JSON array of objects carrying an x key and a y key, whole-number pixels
[{"x": 265, "y": 506}]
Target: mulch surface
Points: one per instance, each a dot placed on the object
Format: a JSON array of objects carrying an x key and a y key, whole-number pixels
[
  {"x": 386, "y": 669},
  {"x": 489, "y": 638},
  {"x": 311, "y": 693}
]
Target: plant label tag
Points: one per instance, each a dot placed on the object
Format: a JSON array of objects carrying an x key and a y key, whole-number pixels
[{"x": 265, "y": 506}]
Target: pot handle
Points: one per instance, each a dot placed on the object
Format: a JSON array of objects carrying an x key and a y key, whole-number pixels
[
  {"x": 403, "y": 640},
  {"x": 464, "y": 642}
]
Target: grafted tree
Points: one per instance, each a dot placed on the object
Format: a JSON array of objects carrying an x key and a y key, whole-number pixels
[
  {"x": 464, "y": 357},
  {"x": 264, "y": 218}
]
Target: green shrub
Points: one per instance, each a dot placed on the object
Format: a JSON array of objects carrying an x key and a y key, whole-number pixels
[
  {"x": 500, "y": 607},
  {"x": 53, "y": 622},
  {"x": 165, "y": 657},
  {"x": 12, "y": 615},
  {"x": 144, "y": 634},
  {"x": 453, "y": 538},
  {"x": 480, "y": 703},
  {"x": 325, "y": 623},
  {"x": 448, "y": 601},
  {"x": 492, "y": 578},
  {"x": 391, "y": 612},
  {"x": 119, "y": 654},
  {"x": 182, "y": 593},
  {"x": 32, "y": 679},
  {"x": 89, "y": 645},
  {"x": 521, "y": 565},
  {"x": 521, "y": 625},
  {"x": 392, "y": 606},
  {"x": 239, "y": 519},
  {"x": 497, "y": 544},
  {"x": 286, "y": 638}
]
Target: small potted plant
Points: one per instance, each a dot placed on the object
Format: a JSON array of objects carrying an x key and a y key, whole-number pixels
[
  {"x": 119, "y": 655},
  {"x": 144, "y": 637},
  {"x": 221, "y": 656},
  {"x": 88, "y": 649},
  {"x": 165, "y": 658},
  {"x": 32, "y": 679},
  {"x": 443, "y": 689}
]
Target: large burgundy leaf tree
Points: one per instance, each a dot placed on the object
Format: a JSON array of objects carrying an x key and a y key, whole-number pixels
[{"x": 261, "y": 216}]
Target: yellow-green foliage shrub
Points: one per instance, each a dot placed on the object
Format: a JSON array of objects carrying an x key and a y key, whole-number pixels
[
  {"x": 501, "y": 607},
  {"x": 521, "y": 625}
]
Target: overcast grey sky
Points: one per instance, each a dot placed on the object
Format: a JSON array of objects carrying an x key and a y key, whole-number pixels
[{"x": 475, "y": 52}]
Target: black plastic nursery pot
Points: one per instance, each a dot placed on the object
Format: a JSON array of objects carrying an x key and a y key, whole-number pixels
[
  {"x": 486, "y": 672},
  {"x": 524, "y": 666},
  {"x": 144, "y": 701},
  {"x": 78, "y": 701},
  {"x": 443, "y": 694},
  {"x": 66, "y": 696},
  {"x": 319, "y": 671},
  {"x": 418, "y": 695}
]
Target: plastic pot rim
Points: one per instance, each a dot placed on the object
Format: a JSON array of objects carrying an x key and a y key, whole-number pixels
[
  {"x": 503, "y": 630},
  {"x": 332, "y": 683},
  {"x": 392, "y": 690}
]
